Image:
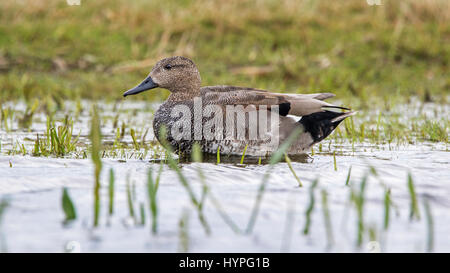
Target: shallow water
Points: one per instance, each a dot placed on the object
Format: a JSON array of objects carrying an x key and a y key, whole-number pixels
[{"x": 33, "y": 222}]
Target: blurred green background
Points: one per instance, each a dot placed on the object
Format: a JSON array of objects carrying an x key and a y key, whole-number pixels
[{"x": 367, "y": 54}]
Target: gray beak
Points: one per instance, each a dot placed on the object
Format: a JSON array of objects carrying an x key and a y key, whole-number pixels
[{"x": 147, "y": 84}]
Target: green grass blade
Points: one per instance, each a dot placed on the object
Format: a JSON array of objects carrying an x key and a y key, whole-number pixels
[
  {"x": 327, "y": 219},
  {"x": 359, "y": 202},
  {"x": 142, "y": 212},
  {"x": 151, "y": 193},
  {"x": 96, "y": 143},
  {"x": 334, "y": 161},
  {"x": 130, "y": 200},
  {"x": 133, "y": 136},
  {"x": 430, "y": 226},
  {"x": 288, "y": 161},
  {"x": 183, "y": 232},
  {"x": 310, "y": 208},
  {"x": 347, "y": 181},
  {"x": 111, "y": 191},
  {"x": 68, "y": 206},
  {"x": 218, "y": 155},
  {"x": 414, "y": 207},
  {"x": 243, "y": 154},
  {"x": 387, "y": 208}
]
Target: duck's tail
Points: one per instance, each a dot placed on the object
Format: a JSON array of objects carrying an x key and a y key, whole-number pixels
[{"x": 321, "y": 124}]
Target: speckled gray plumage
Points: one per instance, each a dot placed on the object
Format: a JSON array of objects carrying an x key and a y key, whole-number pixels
[{"x": 180, "y": 76}]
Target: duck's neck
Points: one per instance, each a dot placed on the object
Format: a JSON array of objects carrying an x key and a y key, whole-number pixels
[
  {"x": 186, "y": 87},
  {"x": 184, "y": 94}
]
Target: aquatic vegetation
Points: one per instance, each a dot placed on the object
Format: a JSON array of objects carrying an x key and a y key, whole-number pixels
[
  {"x": 96, "y": 158},
  {"x": 430, "y": 226},
  {"x": 243, "y": 154},
  {"x": 183, "y": 232},
  {"x": 152, "y": 189},
  {"x": 68, "y": 207},
  {"x": 197, "y": 157},
  {"x": 414, "y": 207},
  {"x": 142, "y": 214},
  {"x": 185, "y": 183},
  {"x": 46, "y": 111},
  {"x": 57, "y": 141},
  {"x": 326, "y": 216},
  {"x": 4, "y": 203},
  {"x": 289, "y": 162},
  {"x": 27, "y": 119},
  {"x": 111, "y": 192},
  {"x": 274, "y": 159},
  {"x": 133, "y": 136},
  {"x": 218, "y": 155},
  {"x": 4, "y": 118},
  {"x": 347, "y": 181},
  {"x": 173, "y": 165},
  {"x": 310, "y": 208},
  {"x": 130, "y": 200},
  {"x": 158, "y": 176},
  {"x": 334, "y": 161},
  {"x": 435, "y": 131},
  {"x": 358, "y": 199},
  {"x": 54, "y": 136},
  {"x": 387, "y": 209}
]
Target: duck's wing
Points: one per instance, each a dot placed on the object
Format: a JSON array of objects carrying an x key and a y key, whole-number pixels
[{"x": 289, "y": 104}]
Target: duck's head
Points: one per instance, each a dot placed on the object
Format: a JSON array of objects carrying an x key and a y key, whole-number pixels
[{"x": 177, "y": 74}]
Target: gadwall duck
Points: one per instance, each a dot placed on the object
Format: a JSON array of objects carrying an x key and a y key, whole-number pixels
[{"x": 231, "y": 119}]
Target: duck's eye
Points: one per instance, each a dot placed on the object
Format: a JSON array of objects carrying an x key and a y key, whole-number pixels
[{"x": 168, "y": 67}]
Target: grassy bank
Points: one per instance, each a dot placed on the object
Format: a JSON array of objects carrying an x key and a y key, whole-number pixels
[{"x": 368, "y": 55}]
